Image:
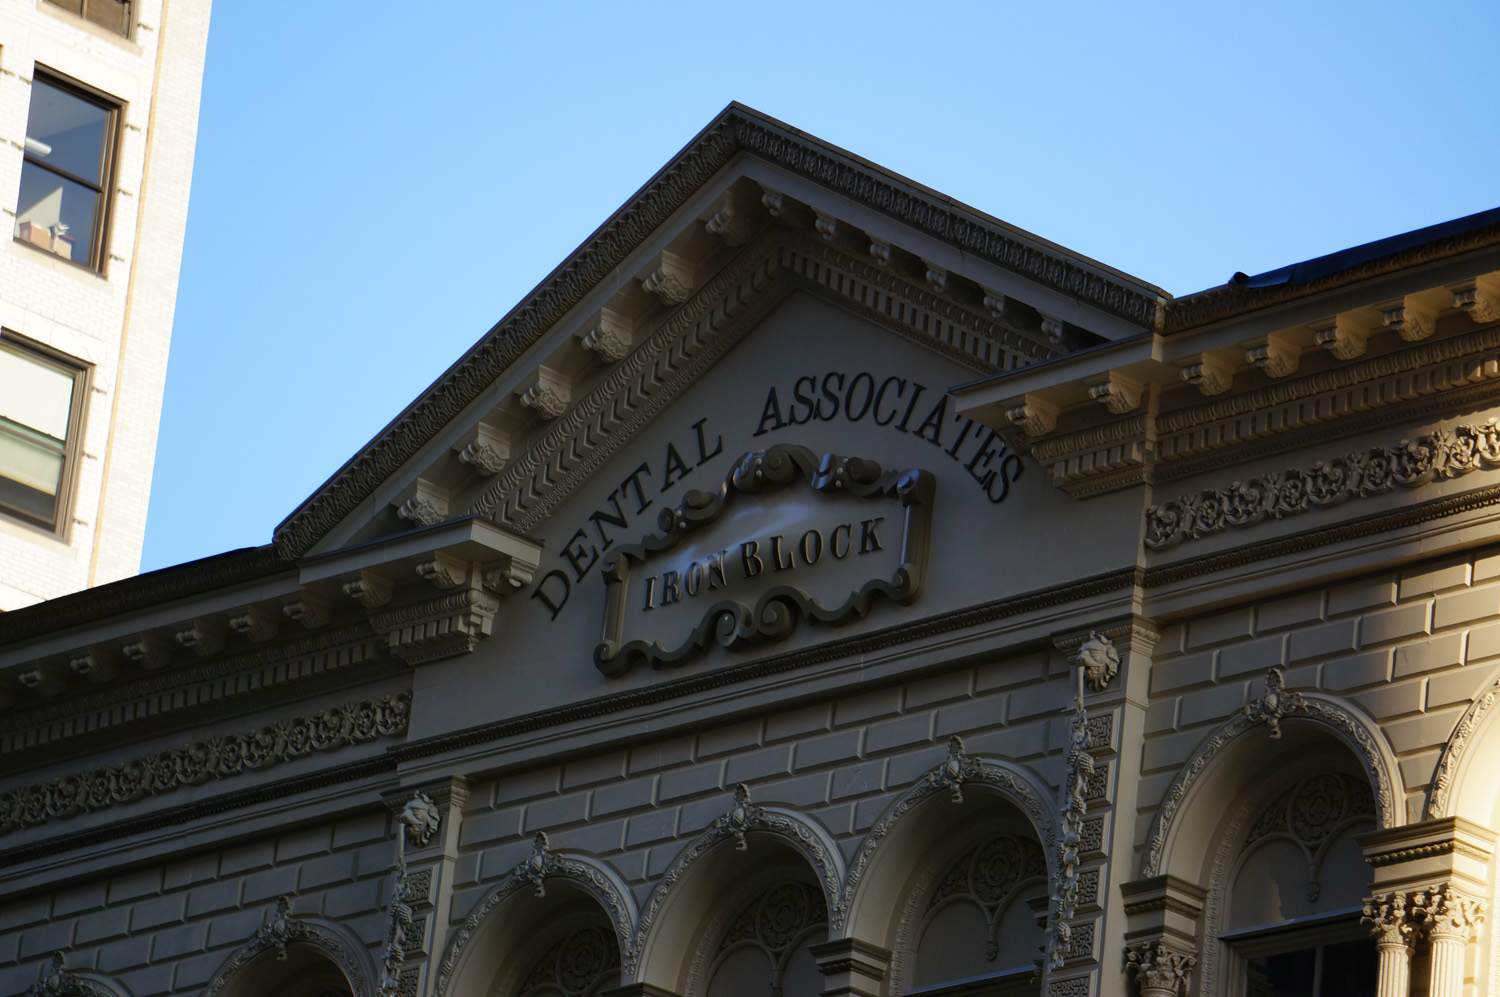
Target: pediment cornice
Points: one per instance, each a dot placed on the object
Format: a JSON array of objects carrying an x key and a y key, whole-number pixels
[{"x": 738, "y": 131}]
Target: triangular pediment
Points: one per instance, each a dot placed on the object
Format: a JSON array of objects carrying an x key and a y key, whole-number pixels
[{"x": 748, "y": 213}]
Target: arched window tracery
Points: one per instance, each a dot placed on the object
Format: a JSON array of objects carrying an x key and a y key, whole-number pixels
[
  {"x": 765, "y": 948},
  {"x": 981, "y": 919},
  {"x": 581, "y": 964},
  {"x": 1296, "y": 879}
]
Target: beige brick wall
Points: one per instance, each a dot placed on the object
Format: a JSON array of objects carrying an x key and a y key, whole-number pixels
[
  {"x": 840, "y": 762},
  {"x": 166, "y": 928},
  {"x": 120, "y": 322},
  {"x": 1409, "y": 648}
]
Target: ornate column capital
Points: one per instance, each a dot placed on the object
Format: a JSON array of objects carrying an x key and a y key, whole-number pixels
[
  {"x": 1448, "y": 913},
  {"x": 1390, "y": 918},
  {"x": 1160, "y": 970}
]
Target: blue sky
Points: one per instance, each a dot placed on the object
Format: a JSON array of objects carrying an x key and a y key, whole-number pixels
[{"x": 377, "y": 184}]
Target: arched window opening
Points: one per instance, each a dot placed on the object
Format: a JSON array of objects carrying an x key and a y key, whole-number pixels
[
  {"x": 1296, "y": 890},
  {"x": 305, "y": 972},
  {"x": 583, "y": 963},
  {"x": 980, "y": 933},
  {"x": 766, "y": 949}
]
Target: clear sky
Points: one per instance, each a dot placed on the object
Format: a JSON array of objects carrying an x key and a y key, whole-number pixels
[{"x": 378, "y": 183}]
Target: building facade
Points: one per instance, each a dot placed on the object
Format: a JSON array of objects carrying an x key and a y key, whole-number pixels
[
  {"x": 99, "y": 107},
  {"x": 816, "y": 586}
]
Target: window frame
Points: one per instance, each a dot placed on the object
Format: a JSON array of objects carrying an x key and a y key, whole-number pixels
[
  {"x": 57, "y": 6},
  {"x": 62, "y": 520},
  {"x": 1316, "y": 931},
  {"x": 108, "y": 153}
]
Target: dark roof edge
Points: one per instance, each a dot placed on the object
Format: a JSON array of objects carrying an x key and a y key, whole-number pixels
[
  {"x": 180, "y": 581},
  {"x": 735, "y": 130},
  {"x": 1243, "y": 294}
]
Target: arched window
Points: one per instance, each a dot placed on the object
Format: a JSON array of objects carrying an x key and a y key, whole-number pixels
[
  {"x": 766, "y": 947},
  {"x": 979, "y": 931},
  {"x": 1297, "y": 884},
  {"x": 583, "y": 963}
]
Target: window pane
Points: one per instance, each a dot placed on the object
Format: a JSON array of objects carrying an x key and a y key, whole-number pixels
[
  {"x": 111, "y": 14},
  {"x": 35, "y": 394},
  {"x": 75, "y": 6},
  {"x": 1288, "y": 974},
  {"x": 55, "y": 214},
  {"x": 1349, "y": 969},
  {"x": 66, "y": 131}
]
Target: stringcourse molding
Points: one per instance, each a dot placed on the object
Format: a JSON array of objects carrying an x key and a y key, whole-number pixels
[
  {"x": 201, "y": 761},
  {"x": 1436, "y": 456},
  {"x": 738, "y": 130},
  {"x": 1275, "y": 707}
]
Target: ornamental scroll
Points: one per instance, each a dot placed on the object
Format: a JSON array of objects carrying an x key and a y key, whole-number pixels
[{"x": 787, "y": 535}]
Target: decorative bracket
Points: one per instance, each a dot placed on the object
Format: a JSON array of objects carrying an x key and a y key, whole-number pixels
[
  {"x": 1211, "y": 375},
  {"x": 611, "y": 337},
  {"x": 672, "y": 281},
  {"x": 1035, "y": 415},
  {"x": 1278, "y": 356},
  {"x": 1344, "y": 336},
  {"x": 1409, "y": 318},
  {"x": 548, "y": 393},
  {"x": 486, "y": 450},
  {"x": 425, "y": 504},
  {"x": 1120, "y": 394}
]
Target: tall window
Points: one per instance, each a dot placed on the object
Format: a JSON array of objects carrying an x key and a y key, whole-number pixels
[
  {"x": 70, "y": 140},
  {"x": 111, "y": 15},
  {"x": 40, "y": 401}
]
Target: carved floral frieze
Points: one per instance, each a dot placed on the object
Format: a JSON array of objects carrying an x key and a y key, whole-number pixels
[
  {"x": 201, "y": 761},
  {"x": 1437, "y": 456}
]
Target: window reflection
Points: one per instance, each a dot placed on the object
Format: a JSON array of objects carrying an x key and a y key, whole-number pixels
[
  {"x": 37, "y": 396},
  {"x": 64, "y": 172}
]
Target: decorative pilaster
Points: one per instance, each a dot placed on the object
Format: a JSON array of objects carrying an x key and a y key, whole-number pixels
[
  {"x": 1160, "y": 970},
  {"x": 1080, "y": 767},
  {"x": 1388, "y": 916},
  {"x": 427, "y": 823},
  {"x": 1450, "y": 920}
]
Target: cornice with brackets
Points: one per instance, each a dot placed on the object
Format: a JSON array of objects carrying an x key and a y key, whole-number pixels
[{"x": 1154, "y": 410}]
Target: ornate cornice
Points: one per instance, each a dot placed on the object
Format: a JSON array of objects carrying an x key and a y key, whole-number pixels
[
  {"x": 738, "y": 130},
  {"x": 203, "y": 761},
  {"x": 1230, "y": 300},
  {"x": 165, "y": 692},
  {"x": 1437, "y": 456},
  {"x": 155, "y": 588}
]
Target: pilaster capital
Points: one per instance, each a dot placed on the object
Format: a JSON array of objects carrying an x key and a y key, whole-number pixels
[{"x": 1160, "y": 969}]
